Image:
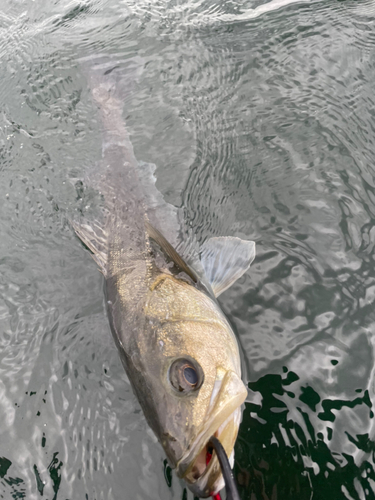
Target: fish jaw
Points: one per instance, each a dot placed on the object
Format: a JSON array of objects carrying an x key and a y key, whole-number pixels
[{"x": 223, "y": 420}]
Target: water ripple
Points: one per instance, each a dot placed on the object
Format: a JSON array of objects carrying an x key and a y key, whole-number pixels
[{"x": 260, "y": 118}]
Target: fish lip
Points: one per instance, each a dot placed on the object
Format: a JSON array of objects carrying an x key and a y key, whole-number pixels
[{"x": 223, "y": 421}]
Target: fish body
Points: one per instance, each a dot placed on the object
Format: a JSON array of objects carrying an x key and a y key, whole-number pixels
[{"x": 176, "y": 345}]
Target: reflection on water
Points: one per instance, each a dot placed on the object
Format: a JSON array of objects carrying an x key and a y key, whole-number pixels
[{"x": 260, "y": 117}]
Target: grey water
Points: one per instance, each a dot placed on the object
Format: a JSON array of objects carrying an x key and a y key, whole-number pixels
[{"x": 260, "y": 118}]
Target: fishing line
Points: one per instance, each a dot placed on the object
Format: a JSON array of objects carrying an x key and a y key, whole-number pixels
[{"x": 230, "y": 485}]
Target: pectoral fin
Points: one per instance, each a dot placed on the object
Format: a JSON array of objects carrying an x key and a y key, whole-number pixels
[{"x": 225, "y": 259}]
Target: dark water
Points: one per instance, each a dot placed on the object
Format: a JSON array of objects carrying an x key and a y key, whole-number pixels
[{"x": 261, "y": 120}]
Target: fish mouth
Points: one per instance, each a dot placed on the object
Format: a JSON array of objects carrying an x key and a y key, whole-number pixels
[{"x": 200, "y": 467}]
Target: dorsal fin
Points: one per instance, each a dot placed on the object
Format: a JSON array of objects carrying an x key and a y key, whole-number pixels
[
  {"x": 160, "y": 213},
  {"x": 225, "y": 259},
  {"x": 170, "y": 251}
]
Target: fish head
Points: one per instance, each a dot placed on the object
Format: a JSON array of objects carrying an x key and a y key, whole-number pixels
[{"x": 196, "y": 385}]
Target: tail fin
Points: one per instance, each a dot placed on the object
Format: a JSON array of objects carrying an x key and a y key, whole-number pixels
[{"x": 119, "y": 77}]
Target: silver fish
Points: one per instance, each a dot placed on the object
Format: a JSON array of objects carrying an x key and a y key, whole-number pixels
[{"x": 177, "y": 347}]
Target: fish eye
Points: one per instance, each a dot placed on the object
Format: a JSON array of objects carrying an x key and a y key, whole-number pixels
[{"x": 185, "y": 375}]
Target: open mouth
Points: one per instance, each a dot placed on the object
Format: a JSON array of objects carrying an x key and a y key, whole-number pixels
[
  {"x": 199, "y": 466},
  {"x": 204, "y": 474},
  {"x": 203, "y": 460}
]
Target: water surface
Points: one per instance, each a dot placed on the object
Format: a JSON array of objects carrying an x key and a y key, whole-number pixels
[{"x": 261, "y": 120}]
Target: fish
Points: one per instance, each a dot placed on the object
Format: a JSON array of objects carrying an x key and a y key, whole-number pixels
[{"x": 177, "y": 347}]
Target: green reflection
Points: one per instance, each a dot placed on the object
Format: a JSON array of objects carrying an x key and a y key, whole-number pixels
[{"x": 280, "y": 456}]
